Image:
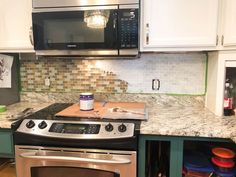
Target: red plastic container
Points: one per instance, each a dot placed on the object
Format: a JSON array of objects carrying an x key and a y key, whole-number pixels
[{"x": 223, "y": 153}]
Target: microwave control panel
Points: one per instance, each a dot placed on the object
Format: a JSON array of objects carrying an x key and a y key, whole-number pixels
[{"x": 128, "y": 28}]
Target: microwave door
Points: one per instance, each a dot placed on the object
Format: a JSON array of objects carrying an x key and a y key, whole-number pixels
[{"x": 85, "y": 31}]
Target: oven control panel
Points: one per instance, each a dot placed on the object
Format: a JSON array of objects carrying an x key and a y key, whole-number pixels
[{"x": 77, "y": 129}]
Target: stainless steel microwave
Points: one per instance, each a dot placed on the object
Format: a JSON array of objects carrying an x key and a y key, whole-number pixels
[{"x": 86, "y": 28}]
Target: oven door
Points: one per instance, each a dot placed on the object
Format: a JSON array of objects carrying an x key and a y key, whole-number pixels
[
  {"x": 32, "y": 161},
  {"x": 76, "y": 31}
]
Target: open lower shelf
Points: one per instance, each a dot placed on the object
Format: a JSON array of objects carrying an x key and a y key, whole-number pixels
[
  {"x": 157, "y": 158},
  {"x": 220, "y": 66},
  {"x": 197, "y": 158},
  {"x": 167, "y": 152},
  {"x": 231, "y": 75}
]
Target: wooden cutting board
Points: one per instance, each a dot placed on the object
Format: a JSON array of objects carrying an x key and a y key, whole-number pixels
[{"x": 101, "y": 110}]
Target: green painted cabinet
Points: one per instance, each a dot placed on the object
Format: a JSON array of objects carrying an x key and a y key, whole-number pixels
[
  {"x": 172, "y": 151},
  {"x": 6, "y": 143}
]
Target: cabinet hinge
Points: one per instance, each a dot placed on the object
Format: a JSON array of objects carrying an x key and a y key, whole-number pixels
[
  {"x": 147, "y": 33},
  {"x": 217, "y": 40},
  {"x": 222, "y": 40}
]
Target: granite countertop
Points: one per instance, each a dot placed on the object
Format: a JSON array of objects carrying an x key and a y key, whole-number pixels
[
  {"x": 14, "y": 111},
  {"x": 167, "y": 115},
  {"x": 196, "y": 121}
]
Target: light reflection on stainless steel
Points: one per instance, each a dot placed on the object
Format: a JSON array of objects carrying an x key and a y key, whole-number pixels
[
  {"x": 115, "y": 161},
  {"x": 71, "y": 3}
]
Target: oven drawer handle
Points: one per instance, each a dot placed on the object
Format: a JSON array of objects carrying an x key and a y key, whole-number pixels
[{"x": 77, "y": 159}]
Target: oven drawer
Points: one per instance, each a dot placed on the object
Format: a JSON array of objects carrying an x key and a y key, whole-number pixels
[{"x": 33, "y": 161}]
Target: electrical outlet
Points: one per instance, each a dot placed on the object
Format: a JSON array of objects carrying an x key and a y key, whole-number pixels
[
  {"x": 156, "y": 84},
  {"x": 47, "y": 81}
]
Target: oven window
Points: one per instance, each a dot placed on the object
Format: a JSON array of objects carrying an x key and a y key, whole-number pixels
[
  {"x": 69, "y": 171},
  {"x": 75, "y": 30}
]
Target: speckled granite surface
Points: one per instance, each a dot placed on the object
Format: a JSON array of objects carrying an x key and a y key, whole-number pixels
[
  {"x": 15, "y": 111},
  {"x": 168, "y": 115},
  {"x": 188, "y": 121}
]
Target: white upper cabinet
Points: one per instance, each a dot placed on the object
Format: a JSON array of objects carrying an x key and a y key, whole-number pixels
[
  {"x": 179, "y": 25},
  {"x": 229, "y": 23},
  {"x": 15, "y": 24}
]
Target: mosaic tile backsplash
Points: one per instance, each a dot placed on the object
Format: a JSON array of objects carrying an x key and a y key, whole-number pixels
[{"x": 182, "y": 73}]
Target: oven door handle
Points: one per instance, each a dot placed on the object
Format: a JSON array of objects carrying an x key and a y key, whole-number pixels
[{"x": 75, "y": 159}]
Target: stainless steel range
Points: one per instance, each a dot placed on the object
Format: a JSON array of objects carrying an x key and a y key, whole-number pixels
[{"x": 48, "y": 146}]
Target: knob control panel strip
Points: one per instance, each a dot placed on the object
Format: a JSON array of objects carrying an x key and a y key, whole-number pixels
[{"x": 77, "y": 129}]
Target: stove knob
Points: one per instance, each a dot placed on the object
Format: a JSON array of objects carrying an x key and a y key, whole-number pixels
[
  {"x": 109, "y": 127},
  {"x": 122, "y": 128},
  {"x": 30, "y": 124},
  {"x": 42, "y": 125}
]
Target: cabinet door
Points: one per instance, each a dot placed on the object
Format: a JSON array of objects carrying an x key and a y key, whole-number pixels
[
  {"x": 229, "y": 22},
  {"x": 179, "y": 23},
  {"x": 15, "y": 23},
  {"x": 6, "y": 144}
]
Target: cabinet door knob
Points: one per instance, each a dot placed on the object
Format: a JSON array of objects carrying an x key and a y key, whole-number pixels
[{"x": 31, "y": 35}]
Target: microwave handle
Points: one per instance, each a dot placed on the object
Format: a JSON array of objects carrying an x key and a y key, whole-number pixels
[
  {"x": 74, "y": 159},
  {"x": 114, "y": 23},
  {"x": 31, "y": 35},
  {"x": 115, "y": 20}
]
